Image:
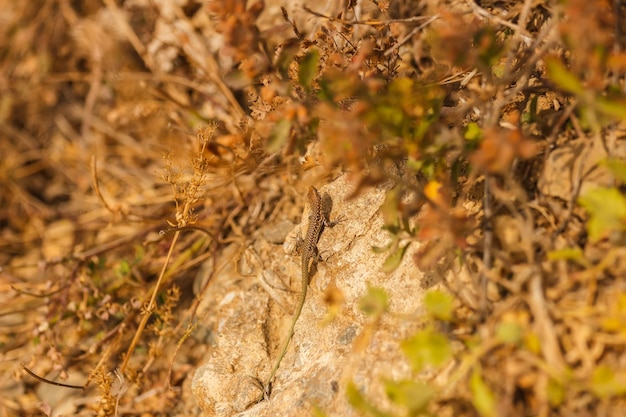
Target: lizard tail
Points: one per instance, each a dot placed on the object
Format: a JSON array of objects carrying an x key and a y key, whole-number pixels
[{"x": 286, "y": 345}]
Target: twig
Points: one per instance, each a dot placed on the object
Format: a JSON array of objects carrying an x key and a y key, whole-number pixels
[
  {"x": 525, "y": 36},
  {"x": 148, "y": 310},
  {"x": 370, "y": 22},
  {"x": 410, "y": 34},
  {"x": 96, "y": 185},
  {"x": 487, "y": 246},
  {"x": 47, "y": 381}
]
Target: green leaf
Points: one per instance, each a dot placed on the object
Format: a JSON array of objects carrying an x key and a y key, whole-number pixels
[
  {"x": 234, "y": 79},
  {"x": 473, "y": 132},
  {"x": 389, "y": 208},
  {"x": 615, "y": 318},
  {"x": 498, "y": 69},
  {"x": 555, "y": 392},
  {"x": 308, "y": 69},
  {"x": 510, "y": 332},
  {"x": 286, "y": 56},
  {"x": 382, "y": 249},
  {"x": 413, "y": 395},
  {"x": 123, "y": 269},
  {"x": 483, "y": 398},
  {"x": 280, "y": 134},
  {"x": 375, "y": 302},
  {"x": 393, "y": 260},
  {"x": 567, "y": 254},
  {"x": 613, "y": 108},
  {"x": 617, "y": 167},
  {"x": 562, "y": 77},
  {"x": 531, "y": 115},
  {"x": 606, "y": 383},
  {"x": 489, "y": 47},
  {"x": 439, "y": 304},
  {"x": 401, "y": 86},
  {"x": 359, "y": 402},
  {"x": 532, "y": 342},
  {"x": 607, "y": 211},
  {"x": 317, "y": 411},
  {"x": 427, "y": 347}
]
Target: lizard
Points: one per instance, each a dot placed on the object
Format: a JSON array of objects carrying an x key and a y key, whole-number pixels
[{"x": 318, "y": 219}]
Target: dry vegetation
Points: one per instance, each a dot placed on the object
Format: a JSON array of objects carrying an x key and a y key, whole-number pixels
[{"x": 140, "y": 137}]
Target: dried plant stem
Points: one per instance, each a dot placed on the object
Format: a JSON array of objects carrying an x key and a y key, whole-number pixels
[
  {"x": 544, "y": 325},
  {"x": 487, "y": 246},
  {"x": 96, "y": 185},
  {"x": 151, "y": 303},
  {"x": 410, "y": 35}
]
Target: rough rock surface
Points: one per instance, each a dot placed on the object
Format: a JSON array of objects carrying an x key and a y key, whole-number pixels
[{"x": 250, "y": 311}]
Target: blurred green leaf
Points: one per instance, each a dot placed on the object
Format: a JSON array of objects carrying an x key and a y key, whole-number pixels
[
  {"x": 606, "y": 383},
  {"x": 483, "y": 398},
  {"x": 567, "y": 254},
  {"x": 531, "y": 115},
  {"x": 413, "y": 395},
  {"x": 279, "y": 135},
  {"x": 389, "y": 115},
  {"x": 287, "y": 54},
  {"x": 617, "y": 168},
  {"x": 389, "y": 208},
  {"x": 532, "y": 342},
  {"x": 556, "y": 393},
  {"x": 439, "y": 304},
  {"x": 318, "y": 412},
  {"x": 382, "y": 249},
  {"x": 562, "y": 77},
  {"x": 427, "y": 347},
  {"x": 375, "y": 302},
  {"x": 425, "y": 166},
  {"x": 490, "y": 48},
  {"x": 615, "y": 318},
  {"x": 393, "y": 260},
  {"x": 123, "y": 268},
  {"x": 510, "y": 332},
  {"x": 607, "y": 211},
  {"x": 613, "y": 108},
  {"x": 359, "y": 402},
  {"x": 402, "y": 86},
  {"x": 498, "y": 69},
  {"x": 473, "y": 132},
  {"x": 308, "y": 69}
]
